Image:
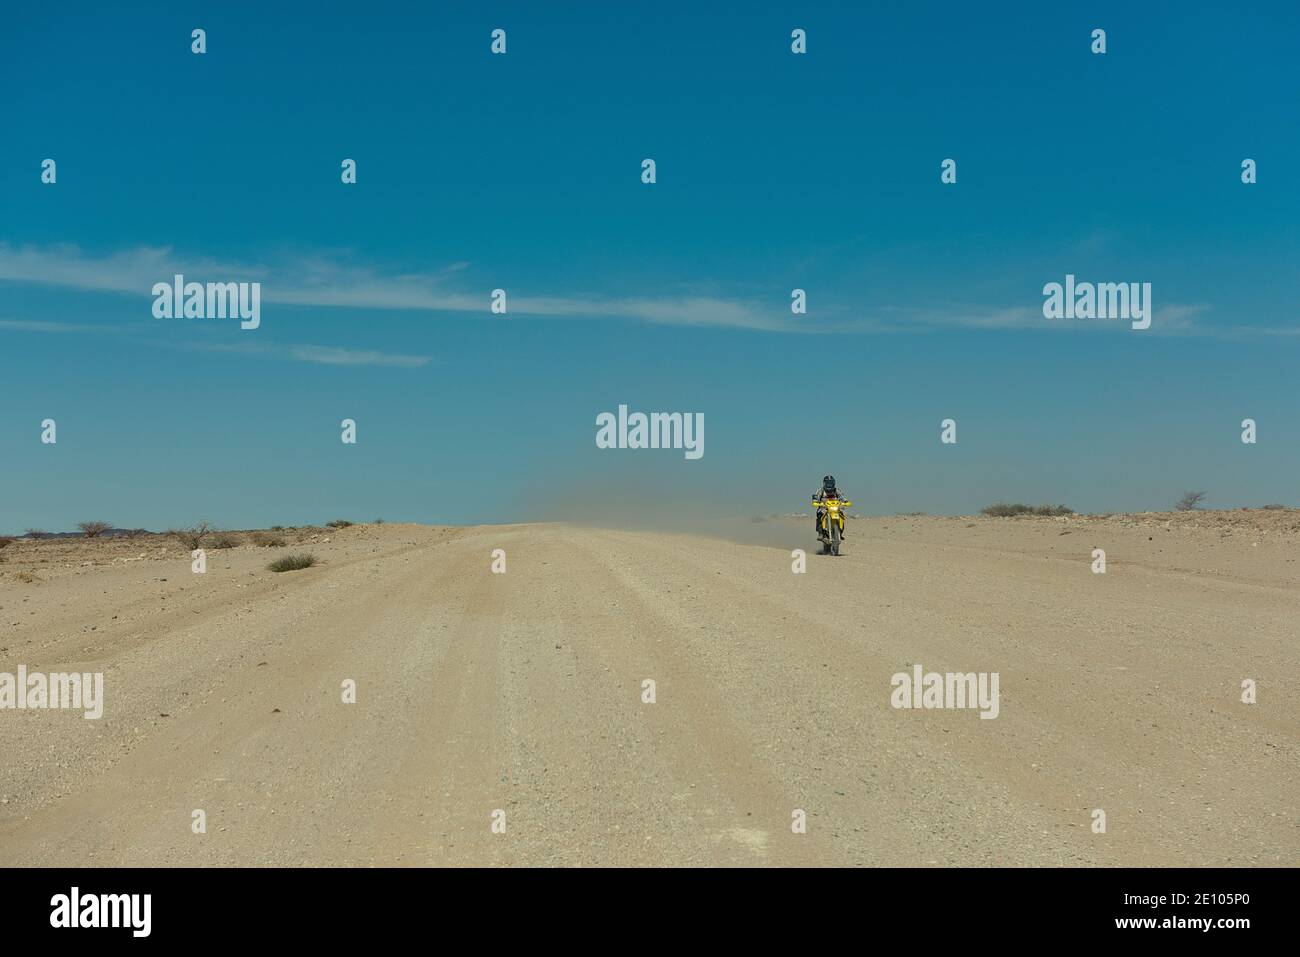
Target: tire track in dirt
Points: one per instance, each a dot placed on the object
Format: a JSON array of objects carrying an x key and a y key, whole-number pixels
[
  {"x": 522, "y": 692},
  {"x": 265, "y": 733},
  {"x": 666, "y": 783},
  {"x": 1065, "y": 745}
]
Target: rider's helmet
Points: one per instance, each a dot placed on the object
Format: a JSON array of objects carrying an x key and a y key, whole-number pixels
[{"x": 828, "y": 483}]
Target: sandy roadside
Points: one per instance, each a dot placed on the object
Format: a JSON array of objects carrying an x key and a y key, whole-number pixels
[{"x": 522, "y": 692}]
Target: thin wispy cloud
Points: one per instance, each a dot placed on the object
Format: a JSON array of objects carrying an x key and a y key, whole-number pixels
[
  {"x": 127, "y": 271},
  {"x": 1175, "y": 319},
  {"x": 296, "y": 352},
  {"x": 325, "y": 282},
  {"x": 39, "y": 325},
  {"x": 331, "y": 356},
  {"x": 319, "y": 355}
]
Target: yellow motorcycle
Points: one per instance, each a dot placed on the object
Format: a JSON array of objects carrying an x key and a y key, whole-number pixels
[{"x": 831, "y": 525}]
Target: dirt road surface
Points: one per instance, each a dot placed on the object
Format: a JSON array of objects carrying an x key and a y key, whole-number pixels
[{"x": 523, "y": 692}]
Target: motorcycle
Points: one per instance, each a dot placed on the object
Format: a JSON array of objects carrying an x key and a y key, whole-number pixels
[{"x": 831, "y": 524}]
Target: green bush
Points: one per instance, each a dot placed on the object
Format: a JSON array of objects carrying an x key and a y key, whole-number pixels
[
  {"x": 1003, "y": 510},
  {"x": 291, "y": 563}
]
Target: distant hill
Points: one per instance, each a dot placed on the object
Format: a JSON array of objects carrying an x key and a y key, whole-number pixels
[{"x": 110, "y": 533}]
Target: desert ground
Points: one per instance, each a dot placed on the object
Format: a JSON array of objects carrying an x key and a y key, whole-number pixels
[{"x": 522, "y": 692}]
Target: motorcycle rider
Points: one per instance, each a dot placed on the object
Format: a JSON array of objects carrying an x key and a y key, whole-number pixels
[{"x": 828, "y": 490}]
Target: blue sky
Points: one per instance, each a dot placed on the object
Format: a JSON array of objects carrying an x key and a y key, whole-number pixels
[{"x": 522, "y": 172}]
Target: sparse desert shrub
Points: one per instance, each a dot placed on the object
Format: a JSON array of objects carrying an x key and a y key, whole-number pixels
[
  {"x": 94, "y": 529},
  {"x": 277, "y": 528},
  {"x": 291, "y": 563},
  {"x": 135, "y": 532},
  {"x": 37, "y": 533},
  {"x": 1189, "y": 501},
  {"x": 266, "y": 540},
  {"x": 379, "y": 521},
  {"x": 338, "y": 523},
  {"x": 1274, "y": 508},
  {"x": 1003, "y": 510},
  {"x": 192, "y": 538},
  {"x": 226, "y": 540}
]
